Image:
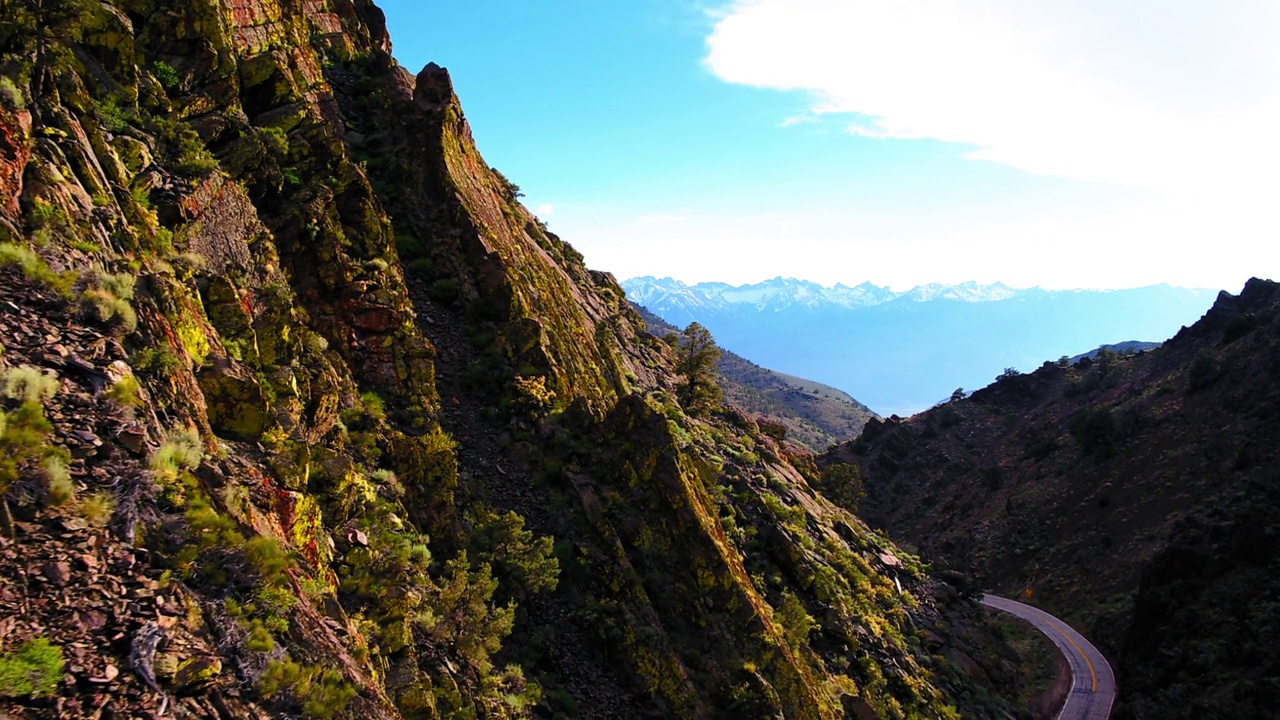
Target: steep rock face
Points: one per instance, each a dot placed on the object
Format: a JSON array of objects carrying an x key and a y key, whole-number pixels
[
  {"x": 1133, "y": 495},
  {"x": 482, "y": 252},
  {"x": 337, "y": 428}
]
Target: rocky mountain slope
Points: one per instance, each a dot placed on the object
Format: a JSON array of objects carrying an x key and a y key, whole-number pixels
[
  {"x": 803, "y": 411},
  {"x": 812, "y": 414},
  {"x": 1133, "y": 495},
  {"x": 903, "y": 352},
  {"x": 303, "y": 415}
]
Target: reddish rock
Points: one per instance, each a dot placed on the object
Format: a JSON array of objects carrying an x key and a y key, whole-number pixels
[
  {"x": 15, "y": 153},
  {"x": 376, "y": 319}
]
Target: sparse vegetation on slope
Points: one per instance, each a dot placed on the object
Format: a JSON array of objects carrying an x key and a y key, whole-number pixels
[
  {"x": 805, "y": 412},
  {"x": 1130, "y": 494},
  {"x": 339, "y": 429}
]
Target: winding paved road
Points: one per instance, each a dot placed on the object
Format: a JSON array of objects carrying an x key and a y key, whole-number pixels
[{"x": 1093, "y": 685}]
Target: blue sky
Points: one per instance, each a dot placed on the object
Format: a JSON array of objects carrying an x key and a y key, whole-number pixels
[{"x": 1071, "y": 145}]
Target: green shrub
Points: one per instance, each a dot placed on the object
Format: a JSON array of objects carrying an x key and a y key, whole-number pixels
[
  {"x": 103, "y": 307},
  {"x": 260, "y": 639},
  {"x": 373, "y": 405},
  {"x": 166, "y": 74},
  {"x": 503, "y": 541},
  {"x": 160, "y": 361},
  {"x": 181, "y": 451},
  {"x": 509, "y": 190},
  {"x": 45, "y": 214},
  {"x": 10, "y": 95},
  {"x": 274, "y": 140},
  {"x": 842, "y": 484},
  {"x": 113, "y": 116},
  {"x": 125, "y": 392},
  {"x": 33, "y": 670},
  {"x": 190, "y": 156},
  {"x": 795, "y": 621},
  {"x": 269, "y": 557},
  {"x": 696, "y": 361},
  {"x": 107, "y": 298},
  {"x": 24, "y": 432},
  {"x": 1203, "y": 371},
  {"x": 61, "y": 487},
  {"x": 466, "y": 617},
  {"x": 120, "y": 284},
  {"x": 444, "y": 291},
  {"x": 29, "y": 385},
  {"x": 273, "y": 605},
  {"x": 322, "y": 693},
  {"x": 142, "y": 196},
  {"x": 409, "y": 247},
  {"x": 209, "y": 528},
  {"x": 1096, "y": 430},
  {"x": 389, "y": 482},
  {"x": 34, "y": 268},
  {"x": 97, "y": 509}
]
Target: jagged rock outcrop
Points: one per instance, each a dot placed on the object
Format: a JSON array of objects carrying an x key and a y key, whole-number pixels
[{"x": 332, "y": 426}]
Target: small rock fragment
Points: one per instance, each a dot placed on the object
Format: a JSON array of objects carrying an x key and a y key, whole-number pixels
[{"x": 57, "y": 573}]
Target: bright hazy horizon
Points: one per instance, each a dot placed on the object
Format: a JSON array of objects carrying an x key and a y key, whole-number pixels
[{"x": 1063, "y": 145}]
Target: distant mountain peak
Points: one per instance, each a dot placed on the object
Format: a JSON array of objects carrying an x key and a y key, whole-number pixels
[{"x": 969, "y": 291}]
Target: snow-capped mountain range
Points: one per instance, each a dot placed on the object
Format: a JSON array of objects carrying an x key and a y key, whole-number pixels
[
  {"x": 899, "y": 352},
  {"x": 666, "y": 295}
]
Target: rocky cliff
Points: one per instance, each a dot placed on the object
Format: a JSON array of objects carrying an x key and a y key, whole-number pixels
[{"x": 304, "y": 415}]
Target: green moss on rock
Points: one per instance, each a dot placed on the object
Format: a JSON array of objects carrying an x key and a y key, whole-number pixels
[{"x": 237, "y": 404}]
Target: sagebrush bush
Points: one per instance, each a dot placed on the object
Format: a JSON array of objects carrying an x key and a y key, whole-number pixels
[
  {"x": 181, "y": 451},
  {"x": 62, "y": 489},
  {"x": 98, "y": 509},
  {"x": 108, "y": 298},
  {"x": 125, "y": 392},
  {"x": 24, "y": 432},
  {"x": 29, "y": 385},
  {"x": 36, "y": 269}
]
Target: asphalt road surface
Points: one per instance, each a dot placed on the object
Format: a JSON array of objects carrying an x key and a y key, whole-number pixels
[{"x": 1093, "y": 685}]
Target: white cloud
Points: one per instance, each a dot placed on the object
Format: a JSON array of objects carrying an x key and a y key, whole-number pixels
[
  {"x": 799, "y": 119},
  {"x": 1179, "y": 96},
  {"x": 545, "y": 211}
]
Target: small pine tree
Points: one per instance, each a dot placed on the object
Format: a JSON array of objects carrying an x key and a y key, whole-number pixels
[{"x": 696, "y": 360}]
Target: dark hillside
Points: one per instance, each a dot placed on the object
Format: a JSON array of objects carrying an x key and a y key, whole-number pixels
[{"x": 1134, "y": 495}]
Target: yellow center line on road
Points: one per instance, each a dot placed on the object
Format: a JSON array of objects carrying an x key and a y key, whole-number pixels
[{"x": 1092, "y": 674}]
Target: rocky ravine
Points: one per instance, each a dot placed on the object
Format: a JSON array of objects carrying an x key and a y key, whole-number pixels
[{"x": 1134, "y": 496}]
